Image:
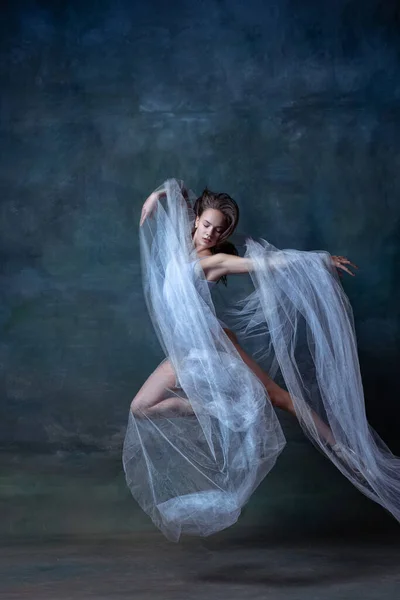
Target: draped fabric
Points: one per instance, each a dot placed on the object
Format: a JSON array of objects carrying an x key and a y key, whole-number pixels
[
  {"x": 306, "y": 320},
  {"x": 193, "y": 474}
]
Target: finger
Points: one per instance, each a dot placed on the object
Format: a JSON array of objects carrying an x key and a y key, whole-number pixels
[
  {"x": 347, "y": 262},
  {"x": 142, "y": 218},
  {"x": 347, "y": 270}
]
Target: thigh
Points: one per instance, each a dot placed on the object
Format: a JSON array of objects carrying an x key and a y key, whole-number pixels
[
  {"x": 250, "y": 362},
  {"x": 157, "y": 386},
  {"x": 278, "y": 396},
  {"x": 231, "y": 336}
]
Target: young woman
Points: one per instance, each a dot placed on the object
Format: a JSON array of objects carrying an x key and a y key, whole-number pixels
[{"x": 202, "y": 433}]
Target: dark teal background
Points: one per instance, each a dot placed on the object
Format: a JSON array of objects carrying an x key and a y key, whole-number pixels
[{"x": 292, "y": 108}]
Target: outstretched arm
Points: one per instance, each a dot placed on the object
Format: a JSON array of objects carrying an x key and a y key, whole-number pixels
[
  {"x": 227, "y": 264},
  {"x": 221, "y": 264}
]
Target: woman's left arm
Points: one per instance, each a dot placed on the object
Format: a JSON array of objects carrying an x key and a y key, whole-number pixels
[
  {"x": 221, "y": 264},
  {"x": 227, "y": 264}
]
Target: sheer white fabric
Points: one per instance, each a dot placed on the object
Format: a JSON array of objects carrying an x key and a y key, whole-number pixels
[
  {"x": 300, "y": 310},
  {"x": 193, "y": 474}
]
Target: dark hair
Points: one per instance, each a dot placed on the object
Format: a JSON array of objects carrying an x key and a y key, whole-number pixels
[{"x": 225, "y": 204}]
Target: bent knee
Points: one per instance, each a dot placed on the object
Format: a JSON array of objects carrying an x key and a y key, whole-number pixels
[{"x": 138, "y": 407}]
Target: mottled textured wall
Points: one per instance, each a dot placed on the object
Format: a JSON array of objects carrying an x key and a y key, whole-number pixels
[{"x": 291, "y": 107}]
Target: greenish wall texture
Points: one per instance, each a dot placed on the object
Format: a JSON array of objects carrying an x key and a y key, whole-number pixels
[{"x": 291, "y": 107}]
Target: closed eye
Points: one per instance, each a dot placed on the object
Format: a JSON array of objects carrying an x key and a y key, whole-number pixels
[{"x": 217, "y": 229}]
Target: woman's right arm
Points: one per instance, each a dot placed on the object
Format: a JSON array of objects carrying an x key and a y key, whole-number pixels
[{"x": 150, "y": 204}]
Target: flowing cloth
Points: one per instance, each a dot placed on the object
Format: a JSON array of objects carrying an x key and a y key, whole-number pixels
[{"x": 193, "y": 474}]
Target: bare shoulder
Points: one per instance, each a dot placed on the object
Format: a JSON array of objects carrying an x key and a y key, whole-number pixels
[
  {"x": 211, "y": 266},
  {"x": 220, "y": 264}
]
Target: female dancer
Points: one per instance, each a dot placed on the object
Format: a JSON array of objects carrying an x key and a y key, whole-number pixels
[
  {"x": 202, "y": 433},
  {"x": 216, "y": 218}
]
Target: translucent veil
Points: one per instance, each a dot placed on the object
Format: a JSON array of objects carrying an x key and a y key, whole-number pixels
[
  {"x": 303, "y": 324},
  {"x": 193, "y": 474}
]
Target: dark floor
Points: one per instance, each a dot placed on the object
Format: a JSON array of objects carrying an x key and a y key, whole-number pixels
[
  {"x": 70, "y": 530},
  {"x": 151, "y": 567}
]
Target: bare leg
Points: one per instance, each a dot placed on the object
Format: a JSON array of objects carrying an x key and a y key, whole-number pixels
[
  {"x": 155, "y": 397},
  {"x": 171, "y": 407},
  {"x": 279, "y": 397}
]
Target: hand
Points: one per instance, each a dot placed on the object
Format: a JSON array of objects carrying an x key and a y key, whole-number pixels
[
  {"x": 149, "y": 206},
  {"x": 340, "y": 262}
]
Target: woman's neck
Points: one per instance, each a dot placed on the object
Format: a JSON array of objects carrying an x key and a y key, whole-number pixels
[{"x": 203, "y": 253}]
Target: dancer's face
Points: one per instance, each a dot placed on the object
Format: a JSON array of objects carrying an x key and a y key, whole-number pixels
[{"x": 209, "y": 228}]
